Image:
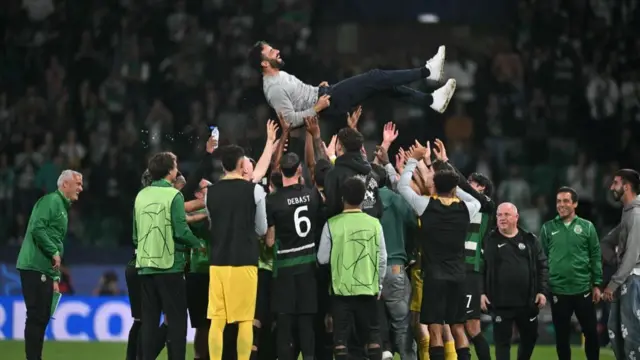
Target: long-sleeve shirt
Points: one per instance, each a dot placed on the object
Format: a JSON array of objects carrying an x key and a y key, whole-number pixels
[
  {"x": 419, "y": 203},
  {"x": 324, "y": 252},
  {"x": 45, "y": 234},
  {"x": 290, "y": 97}
]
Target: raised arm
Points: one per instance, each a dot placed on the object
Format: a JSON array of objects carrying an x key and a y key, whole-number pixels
[
  {"x": 418, "y": 203},
  {"x": 261, "y": 210},
  {"x": 262, "y": 166},
  {"x": 473, "y": 205},
  {"x": 281, "y": 102},
  {"x": 382, "y": 264}
]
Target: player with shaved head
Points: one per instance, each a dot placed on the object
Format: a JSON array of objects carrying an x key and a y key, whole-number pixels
[{"x": 515, "y": 280}]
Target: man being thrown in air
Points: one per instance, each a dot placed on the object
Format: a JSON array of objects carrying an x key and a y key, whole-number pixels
[{"x": 296, "y": 100}]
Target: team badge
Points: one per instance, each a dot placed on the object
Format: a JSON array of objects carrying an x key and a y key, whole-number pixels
[
  {"x": 577, "y": 229},
  {"x": 498, "y": 319},
  {"x": 43, "y": 278},
  {"x": 555, "y": 299},
  {"x": 521, "y": 246}
]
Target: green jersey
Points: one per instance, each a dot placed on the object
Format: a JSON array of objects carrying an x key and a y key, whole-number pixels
[
  {"x": 265, "y": 261},
  {"x": 573, "y": 253},
  {"x": 478, "y": 227},
  {"x": 355, "y": 253},
  {"x": 199, "y": 262},
  {"x": 45, "y": 234},
  {"x": 160, "y": 230}
]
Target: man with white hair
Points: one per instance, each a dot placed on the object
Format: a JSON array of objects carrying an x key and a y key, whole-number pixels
[
  {"x": 515, "y": 281},
  {"x": 41, "y": 255}
]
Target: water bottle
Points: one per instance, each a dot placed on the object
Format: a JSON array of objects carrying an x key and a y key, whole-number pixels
[{"x": 215, "y": 134}]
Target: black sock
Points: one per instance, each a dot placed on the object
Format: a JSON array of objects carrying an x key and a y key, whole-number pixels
[
  {"x": 436, "y": 352},
  {"x": 482, "y": 347},
  {"x": 463, "y": 353},
  {"x": 424, "y": 72},
  {"x": 132, "y": 343}
]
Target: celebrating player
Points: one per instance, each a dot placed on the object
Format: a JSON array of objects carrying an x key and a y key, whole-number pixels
[
  {"x": 297, "y": 100},
  {"x": 291, "y": 213}
]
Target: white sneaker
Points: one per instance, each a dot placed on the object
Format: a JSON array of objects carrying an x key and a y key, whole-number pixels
[
  {"x": 443, "y": 95},
  {"x": 386, "y": 355},
  {"x": 436, "y": 64}
]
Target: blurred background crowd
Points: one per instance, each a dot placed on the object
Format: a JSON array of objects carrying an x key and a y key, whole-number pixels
[{"x": 548, "y": 93}]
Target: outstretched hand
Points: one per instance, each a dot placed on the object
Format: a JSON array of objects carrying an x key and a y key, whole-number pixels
[
  {"x": 353, "y": 118},
  {"x": 272, "y": 129},
  {"x": 389, "y": 134},
  {"x": 284, "y": 125},
  {"x": 331, "y": 149},
  {"x": 440, "y": 151},
  {"x": 313, "y": 128}
]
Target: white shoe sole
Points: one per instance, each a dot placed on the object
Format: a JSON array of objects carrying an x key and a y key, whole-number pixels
[{"x": 451, "y": 89}]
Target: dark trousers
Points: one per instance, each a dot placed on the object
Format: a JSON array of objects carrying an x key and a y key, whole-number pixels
[
  {"x": 164, "y": 293},
  {"x": 526, "y": 320},
  {"x": 359, "y": 311},
  {"x": 350, "y": 92},
  {"x": 37, "y": 290},
  {"x": 562, "y": 308}
]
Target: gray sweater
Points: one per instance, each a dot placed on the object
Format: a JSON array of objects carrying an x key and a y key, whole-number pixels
[
  {"x": 290, "y": 97},
  {"x": 626, "y": 237}
]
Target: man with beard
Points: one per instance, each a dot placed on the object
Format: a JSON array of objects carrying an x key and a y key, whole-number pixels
[
  {"x": 296, "y": 100},
  {"x": 575, "y": 273},
  {"x": 624, "y": 288}
]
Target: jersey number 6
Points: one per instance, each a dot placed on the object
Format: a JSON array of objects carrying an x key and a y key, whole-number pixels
[{"x": 301, "y": 219}]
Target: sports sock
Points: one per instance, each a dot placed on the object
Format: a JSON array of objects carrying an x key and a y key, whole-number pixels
[
  {"x": 450, "y": 350},
  {"x": 216, "y": 331},
  {"x": 463, "y": 353},
  {"x": 245, "y": 339},
  {"x": 423, "y": 348},
  {"x": 436, "y": 353},
  {"x": 482, "y": 347},
  {"x": 132, "y": 343}
]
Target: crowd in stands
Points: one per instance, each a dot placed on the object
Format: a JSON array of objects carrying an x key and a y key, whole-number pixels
[{"x": 555, "y": 100}]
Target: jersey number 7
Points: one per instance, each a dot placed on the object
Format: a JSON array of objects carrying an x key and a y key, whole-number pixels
[{"x": 299, "y": 219}]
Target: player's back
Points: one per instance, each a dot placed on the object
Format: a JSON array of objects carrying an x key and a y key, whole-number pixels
[
  {"x": 442, "y": 238},
  {"x": 292, "y": 210},
  {"x": 232, "y": 210}
]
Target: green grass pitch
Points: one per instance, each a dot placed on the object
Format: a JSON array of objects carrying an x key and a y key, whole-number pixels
[{"x": 58, "y": 350}]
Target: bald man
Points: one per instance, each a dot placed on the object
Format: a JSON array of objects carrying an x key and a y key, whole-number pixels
[{"x": 515, "y": 280}]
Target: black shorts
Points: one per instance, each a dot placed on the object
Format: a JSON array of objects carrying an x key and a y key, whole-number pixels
[
  {"x": 295, "y": 293},
  {"x": 134, "y": 289},
  {"x": 443, "y": 302},
  {"x": 263, "y": 297},
  {"x": 198, "y": 299},
  {"x": 472, "y": 289}
]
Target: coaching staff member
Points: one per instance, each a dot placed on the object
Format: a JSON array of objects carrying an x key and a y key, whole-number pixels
[
  {"x": 350, "y": 163},
  {"x": 163, "y": 236},
  {"x": 40, "y": 257},
  {"x": 237, "y": 212},
  {"x": 515, "y": 280},
  {"x": 575, "y": 272}
]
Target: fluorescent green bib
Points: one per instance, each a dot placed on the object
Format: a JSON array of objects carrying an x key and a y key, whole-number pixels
[
  {"x": 153, "y": 224},
  {"x": 355, "y": 254}
]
